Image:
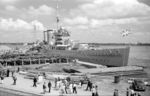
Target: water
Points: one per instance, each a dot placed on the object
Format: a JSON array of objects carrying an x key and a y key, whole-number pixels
[{"x": 140, "y": 55}]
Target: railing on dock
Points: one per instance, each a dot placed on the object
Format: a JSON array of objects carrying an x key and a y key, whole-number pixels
[{"x": 31, "y": 61}]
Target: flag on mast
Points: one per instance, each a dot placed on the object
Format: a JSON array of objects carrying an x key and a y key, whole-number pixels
[
  {"x": 57, "y": 19},
  {"x": 125, "y": 33}
]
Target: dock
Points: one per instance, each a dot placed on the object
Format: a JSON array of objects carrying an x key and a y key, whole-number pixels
[
  {"x": 24, "y": 87},
  {"x": 90, "y": 64},
  {"x": 111, "y": 69}
]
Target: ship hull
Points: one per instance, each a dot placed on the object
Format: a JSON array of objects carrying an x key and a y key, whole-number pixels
[{"x": 113, "y": 57}]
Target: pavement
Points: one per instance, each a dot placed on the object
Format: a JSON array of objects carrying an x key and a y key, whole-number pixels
[
  {"x": 105, "y": 87},
  {"x": 26, "y": 86}
]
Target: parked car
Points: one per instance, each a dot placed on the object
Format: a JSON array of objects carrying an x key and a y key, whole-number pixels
[
  {"x": 147, "y": 83},
  {"x": 130, "y": 81},
  {"x": 138, "y": 85}
]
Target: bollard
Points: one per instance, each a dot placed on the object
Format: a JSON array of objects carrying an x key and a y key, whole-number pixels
[{"x": 116, "y": 79}]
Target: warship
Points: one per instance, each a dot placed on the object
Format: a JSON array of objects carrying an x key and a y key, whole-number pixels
[{"x": 57, "y": 43}]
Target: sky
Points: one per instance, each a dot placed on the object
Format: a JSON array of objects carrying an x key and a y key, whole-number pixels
[{"x": 89, "y": 21}]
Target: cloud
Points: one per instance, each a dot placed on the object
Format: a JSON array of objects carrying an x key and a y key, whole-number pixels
[
  {"x": 38, "y": 25},
  {"x": 10, "y": 8},
  {"x": 106, "y": 22},
  {"x": 99, "y": 20},
  {"x": 96, "y": 13},
  {"x": 76, "y": 20},
  {"x": 16, "y": 25},
  {"x": 84, "y": 22},
  {"x": 23, "y": 24},
  {"x": 20, "y": 30},
  {"x": 41, "y": 10},
  {"x": 28, "y": 13},
  {"x": 8, "y": 1},
  {"x": 84, "y": 1},
  {"x": 112, "y": 9}
]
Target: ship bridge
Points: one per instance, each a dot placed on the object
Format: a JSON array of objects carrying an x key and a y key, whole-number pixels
[{"x": 59, "y": 39}]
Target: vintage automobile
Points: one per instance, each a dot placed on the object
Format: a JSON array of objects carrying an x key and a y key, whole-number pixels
[{"x": 138, "y": 85}]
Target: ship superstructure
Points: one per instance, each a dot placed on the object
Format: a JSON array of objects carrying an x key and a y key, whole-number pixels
[{"x": 59, "y": 40}]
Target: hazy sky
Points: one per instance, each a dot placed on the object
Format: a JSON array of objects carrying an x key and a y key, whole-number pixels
[{"x": 88, "y": 20}]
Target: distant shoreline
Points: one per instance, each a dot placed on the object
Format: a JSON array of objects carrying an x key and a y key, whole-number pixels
[
  {"x": 121, "y": 44},
  {"x": 116, "y": 44},
  {"x": 14, "y": 43}
]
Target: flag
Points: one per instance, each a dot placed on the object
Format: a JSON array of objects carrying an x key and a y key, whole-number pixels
[
  {"x": 57, "y": 19},
  {"x": 125, "y": 33}
]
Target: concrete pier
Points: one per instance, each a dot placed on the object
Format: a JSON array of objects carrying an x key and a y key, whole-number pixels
[{"x": 24, "y": 87}]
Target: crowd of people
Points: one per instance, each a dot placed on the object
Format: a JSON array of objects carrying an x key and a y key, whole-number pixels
[
  {"x": 129, "y": 92},
  {"x": 6, "y": 74},
  {"x": 65, "y": 86}
]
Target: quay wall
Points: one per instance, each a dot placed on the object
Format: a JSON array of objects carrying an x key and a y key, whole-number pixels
[{"x": 11, "y": 92}]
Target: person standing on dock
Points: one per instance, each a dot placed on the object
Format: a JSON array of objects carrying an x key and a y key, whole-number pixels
[
  {"x": 55, "y": 82},
  {"x": 132, "y": 92},
  {"x": 116, "y": 92},
  {"x": 71, "y": 88},
  {"x": 34, "y": 82},
  {"x": 18, "y": 69},
  {"x": 74, "y": 88},
  {"x": 7, "y": 73},
  {"x": 49, "y": 86},
  {"x": 81, "y": 81},
  {"x": 2, "y": 79},
  {"x": 15, "y": 80},
  {"x": 139, "y": 94},
  {"x": 96, "y": 88},
  {"x": 93, "y": 91},
  {"x": 12, "y": 73},
  {"x": 127, "y": 93},
  {"x": 44, "y": 88},
  {"x": 89, "y": 85}
]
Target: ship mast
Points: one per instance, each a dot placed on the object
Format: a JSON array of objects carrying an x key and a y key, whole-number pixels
[
  {"x": 57, "y": 16},
  {"x": 35, "y": 32}
]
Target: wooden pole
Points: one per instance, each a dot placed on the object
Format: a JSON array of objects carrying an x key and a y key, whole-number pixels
[
  {"x": 22, "y": 62},
  {"x": 47, "y": 37},
  {"x": 44, "y": 36},
  {"x": 14, "y": 63},
  {"x": 45, "y": 61},
  {"x": 60, "y": 60},
  {"x": 66, "y": 60},
  {"x": 30, "y": 62},
  {"x": 39, "y": 60},
  {"x": 52, "y": 60},
  {"x": 6, "y": 63}
]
